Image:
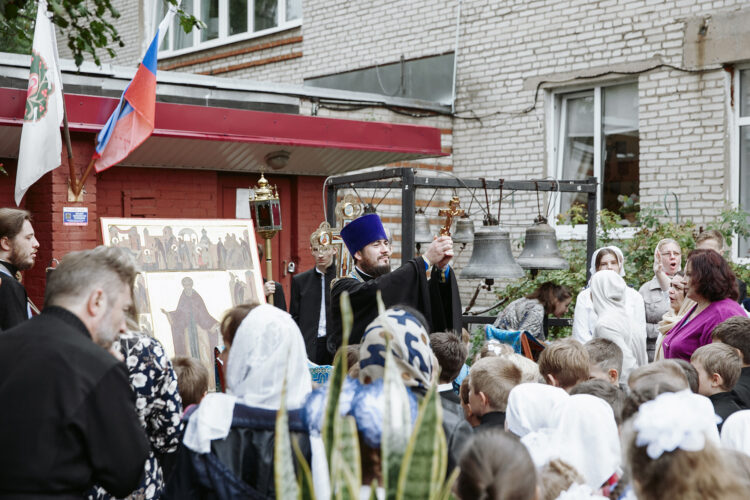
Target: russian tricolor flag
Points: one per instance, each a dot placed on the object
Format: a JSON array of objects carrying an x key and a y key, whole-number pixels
[{"x": 132, "y": 121}]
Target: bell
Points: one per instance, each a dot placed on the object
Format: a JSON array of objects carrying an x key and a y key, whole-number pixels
[
  {"x": 492, "y": 258},
  {"x": 464, "y": 231},
  {"x": 540, "y": 250},
  {"x": 422, "y": 230}
]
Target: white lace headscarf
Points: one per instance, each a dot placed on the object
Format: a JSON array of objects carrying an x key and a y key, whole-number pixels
[
  {"x": 586, "y": 437},
  {"x": 735, "y": 433},
  {"x": 533, "y": 407},
  {"x": 618, "y": 253},
  {"x": 267, "y": 348},
  {"x": 609, "y": 295}
]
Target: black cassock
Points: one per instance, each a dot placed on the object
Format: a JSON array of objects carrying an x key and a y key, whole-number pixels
[
  {"x": 437, "y": 299},
  {"x": 304, "y": 306},
  {"x": 68, "y": 413},
  {"x": 13, "y": 308}
]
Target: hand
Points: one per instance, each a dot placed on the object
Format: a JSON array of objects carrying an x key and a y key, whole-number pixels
[
  {"x": 269, "y": 288},
  {"x": 440, "y": 252},
  {"x": 658, "y": 268}
]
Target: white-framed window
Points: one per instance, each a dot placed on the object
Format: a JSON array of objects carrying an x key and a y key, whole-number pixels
[
  {"x": 228, "y": 21},
  {"x": 740, "y": 154},
  {"x": 594, "y": 132}
]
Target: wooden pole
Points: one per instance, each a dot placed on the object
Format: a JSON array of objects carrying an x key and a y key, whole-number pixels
[
  {"x": 79, "y": 185},
  {"x": 269, "y": 267},
  {"x": 69, "y": 147}
]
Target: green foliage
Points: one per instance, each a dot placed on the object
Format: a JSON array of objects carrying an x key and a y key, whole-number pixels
[
  {"x": 423, "y": 470},
  {"x": 652, "y": 226},
  {"x": 86, "y": 24},
  {"x": 283, "y": 466}
]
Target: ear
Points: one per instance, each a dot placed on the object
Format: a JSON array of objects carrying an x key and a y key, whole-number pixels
[
  {"x": 717, "y": 381},
  {"x": 483, "y": 398},
  {"x": 96, "y": 303},
  {"x": 5, "y": 245},
  {"x": 551, "y": 380},
  {"x": 358, "y": 255},
  {"x": 614, "y": 377}
]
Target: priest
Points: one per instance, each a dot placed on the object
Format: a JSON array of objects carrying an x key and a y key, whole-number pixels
[{"x": 435, "y": 296}]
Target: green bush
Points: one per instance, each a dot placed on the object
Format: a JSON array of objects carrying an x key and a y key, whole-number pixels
[{"x": 638, "y": 250}]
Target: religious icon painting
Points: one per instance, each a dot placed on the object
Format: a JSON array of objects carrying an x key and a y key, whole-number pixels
[
  {"x": 193, "y": 271},
  {"x": 187, "y": 311}
]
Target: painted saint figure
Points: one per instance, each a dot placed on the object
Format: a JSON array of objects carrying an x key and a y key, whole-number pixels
[{"x": 195, "y": 332}]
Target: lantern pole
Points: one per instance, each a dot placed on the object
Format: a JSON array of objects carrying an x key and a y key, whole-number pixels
[{"x": 266, "y": 212}]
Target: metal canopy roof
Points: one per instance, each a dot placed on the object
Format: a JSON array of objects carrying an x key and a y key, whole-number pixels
[{"x": 211, "y": 138}]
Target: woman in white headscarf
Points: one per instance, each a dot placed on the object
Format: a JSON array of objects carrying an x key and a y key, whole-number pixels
[
  {"x": 735, "y": 433},
  {"x": 584, "y": 316},
  {"x": 609, "y": 296},
  {"x": 231, "y": 436},
  {"x": 533, "y": 407}
]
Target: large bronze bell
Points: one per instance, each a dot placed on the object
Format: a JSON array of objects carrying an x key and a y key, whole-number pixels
[
  {"x": 422, "y": 230},
  {"x": 491, "y": 257},
  {"x": 540, "y": 250},
  {"x": 464, "y": 231}
]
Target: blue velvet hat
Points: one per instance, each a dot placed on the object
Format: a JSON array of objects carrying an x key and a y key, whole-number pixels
[{"x": 362, "y": 231}]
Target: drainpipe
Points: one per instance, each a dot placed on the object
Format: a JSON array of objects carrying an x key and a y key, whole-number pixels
[{"x": 455, "y": 57}]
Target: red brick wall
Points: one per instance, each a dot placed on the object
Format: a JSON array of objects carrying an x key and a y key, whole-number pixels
[{"x": 308, "y": 214}]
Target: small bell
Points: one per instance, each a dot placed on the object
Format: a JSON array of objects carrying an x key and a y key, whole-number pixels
[
  {"x": 464, "y": 231},
  {"x": 422, "y": 230},
  {"x": 492, "y": 257},
  {"x": 540, "y": 250}
]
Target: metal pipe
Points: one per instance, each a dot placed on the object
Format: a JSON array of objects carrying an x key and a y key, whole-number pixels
[{"x": 455, "y": 57}]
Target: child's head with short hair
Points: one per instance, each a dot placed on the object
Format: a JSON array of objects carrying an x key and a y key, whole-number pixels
[
  {"x": 659, "y": 372},
  {"x": 495, "y": 348},
  {"x": 564, "y": 363},
  {"x": 490, "y": 384},
  {"x": 602, "y": 389},
  {"x": 495, "y": 464},
  {"x": 450, "y": 352},
  {"x": 735, "y": 332},
  {"x": 192, "y": 379},
  {"x": 690, "y": 373},
  {"x": 557, "y": 476},
  {"x": 718, "y": 366},
  {"x": 605, "y": 360},
  {"x": 463, "y": 393}
]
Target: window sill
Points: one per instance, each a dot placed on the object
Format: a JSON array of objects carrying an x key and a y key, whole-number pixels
[
  {"x": 165, "y": 55},
  {"x": 578, "y": 232}
]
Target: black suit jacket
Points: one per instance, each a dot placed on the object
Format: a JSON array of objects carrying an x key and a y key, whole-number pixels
[
  {"x": 304, "y": 306},
  {"x": 13, "y": 308}
]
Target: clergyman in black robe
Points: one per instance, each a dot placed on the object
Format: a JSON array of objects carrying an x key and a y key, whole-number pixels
[{"x": 436, "y": 297}]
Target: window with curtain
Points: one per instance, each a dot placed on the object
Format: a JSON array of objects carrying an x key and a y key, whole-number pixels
[
  {"x": 228, "y": 21},
  {"x": 597, "y": 135}
]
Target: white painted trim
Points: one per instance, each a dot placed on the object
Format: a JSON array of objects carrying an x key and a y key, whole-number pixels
[{"x": 218, "y": 42}]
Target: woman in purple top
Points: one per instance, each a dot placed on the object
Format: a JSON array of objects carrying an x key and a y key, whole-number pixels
[{"x": 711, "y": 283}]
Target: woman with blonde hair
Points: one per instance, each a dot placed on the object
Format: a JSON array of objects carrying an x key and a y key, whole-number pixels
[{"x": 655, "y": 293}]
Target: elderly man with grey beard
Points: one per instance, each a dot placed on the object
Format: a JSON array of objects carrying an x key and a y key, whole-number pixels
[{"x": 68, "y": 419}]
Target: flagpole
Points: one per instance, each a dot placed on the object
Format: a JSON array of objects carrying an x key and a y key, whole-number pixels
[
  {"x": 69, "y": 147},
  {"x": 79, "y": 186}
]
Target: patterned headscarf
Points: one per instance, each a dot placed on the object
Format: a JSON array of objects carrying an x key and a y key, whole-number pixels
[{"x": 410, "y": 346}]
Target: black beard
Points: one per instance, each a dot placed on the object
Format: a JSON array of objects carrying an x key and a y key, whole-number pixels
[{"x": 376, "y": 271}]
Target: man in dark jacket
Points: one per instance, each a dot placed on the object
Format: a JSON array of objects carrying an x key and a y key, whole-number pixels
[
  {"x": 18, "y": 247},
  {"x": 310, "y": 305},
  {"x": 68, "y": 418}
]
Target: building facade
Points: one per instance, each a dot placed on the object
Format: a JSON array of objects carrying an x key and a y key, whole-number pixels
[{"x": 650, "y": 96}]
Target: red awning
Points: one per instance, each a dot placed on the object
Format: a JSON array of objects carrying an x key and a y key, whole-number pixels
[{"x": 210, "y": 138}]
